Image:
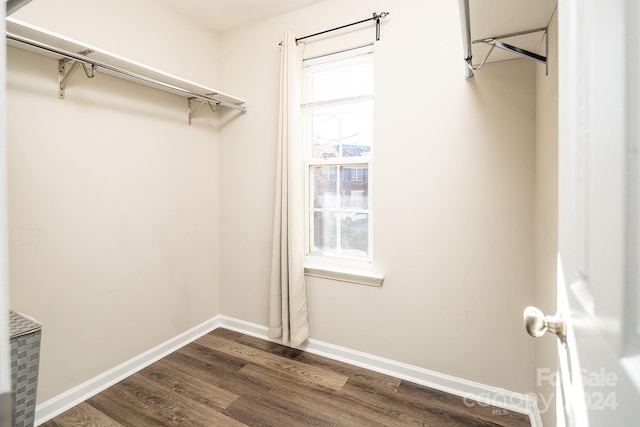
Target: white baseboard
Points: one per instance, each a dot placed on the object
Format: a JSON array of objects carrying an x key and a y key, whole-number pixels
[
  {"x": 472, "y": 392},
  {"x": 57, "y": 405}
]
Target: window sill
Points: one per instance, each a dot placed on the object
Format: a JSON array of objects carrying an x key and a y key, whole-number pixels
[{"x": 356, "y": 273}]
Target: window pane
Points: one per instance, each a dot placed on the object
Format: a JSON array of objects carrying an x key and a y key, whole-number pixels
[
  {"x": 325, "y": 233},
  {"x": 357, "y": 129},
  {"x": 354, "y": 234},
  {"x": 354, "y": 187},
  {"x": 325, "y": 193},
  {"x": 326, "y": 132},
  {"x": 352, "y": 78},
  {"x": 344, "y": 130}
]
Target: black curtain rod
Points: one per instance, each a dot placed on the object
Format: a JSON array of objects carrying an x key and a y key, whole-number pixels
[{"x": 377, "y": 17}]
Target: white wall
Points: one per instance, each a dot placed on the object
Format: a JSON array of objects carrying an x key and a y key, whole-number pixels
[
  {"x": 113, "y": 197},
  {"x": 546, "y": 218},
  {"x": 454, "y": 189}
]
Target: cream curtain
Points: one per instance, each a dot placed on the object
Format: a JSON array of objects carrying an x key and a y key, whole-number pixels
[{"x": 288, "y": 295}]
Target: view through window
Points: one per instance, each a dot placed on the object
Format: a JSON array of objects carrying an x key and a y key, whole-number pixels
[{"x": 338, "y": 116}]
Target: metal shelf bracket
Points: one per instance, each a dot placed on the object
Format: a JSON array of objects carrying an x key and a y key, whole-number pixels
[
  {"x": 67, "y": 68},
  {"x": 50, "y": 44},
  {"x": 494, "y": 42},
  {"x": 195, "y": 104}
]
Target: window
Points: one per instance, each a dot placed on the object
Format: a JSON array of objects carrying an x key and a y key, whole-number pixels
[
  {"x": 338, "y": 136},
  {"x": 357, "y": 174},
  {"x": 329, "y": 174}
]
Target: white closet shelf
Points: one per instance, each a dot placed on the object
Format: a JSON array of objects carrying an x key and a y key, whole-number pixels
[{"x": 72, "y": 54}]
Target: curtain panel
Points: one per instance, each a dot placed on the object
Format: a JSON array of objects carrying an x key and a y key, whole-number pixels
[{"x": 288, "y": 296}]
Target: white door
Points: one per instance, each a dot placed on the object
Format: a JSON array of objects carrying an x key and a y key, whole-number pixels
[{"x": 599, "y": 212}]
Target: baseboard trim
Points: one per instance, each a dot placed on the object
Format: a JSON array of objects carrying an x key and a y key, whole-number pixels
[
  {"x": 57, "y": 405},
  {"x": 472, "y": 392}
]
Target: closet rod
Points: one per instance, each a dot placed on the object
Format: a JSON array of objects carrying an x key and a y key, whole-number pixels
[
  {"x": 377, "y": 17},
  {"x": 97, "y": 64}
]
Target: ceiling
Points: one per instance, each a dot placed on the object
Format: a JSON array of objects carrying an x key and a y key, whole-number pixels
[
  {"x": 491, "y": 18},
  {"x": 488, "y": 17},
  {"x": 225, "y": 15}
]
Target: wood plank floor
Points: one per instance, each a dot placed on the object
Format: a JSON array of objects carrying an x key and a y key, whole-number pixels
[{"x": 228, "y": 379}]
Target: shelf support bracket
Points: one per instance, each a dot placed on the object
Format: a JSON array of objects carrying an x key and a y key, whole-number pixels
[
  {"x": 493, "y": 42},
  {"x": 517, "y": 50},
  {"x": 195, "y": 104},
  {"x": 66, "y": 71}
]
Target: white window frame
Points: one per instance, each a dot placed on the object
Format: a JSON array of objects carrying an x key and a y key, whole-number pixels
[{"x": 342, "y": 268}]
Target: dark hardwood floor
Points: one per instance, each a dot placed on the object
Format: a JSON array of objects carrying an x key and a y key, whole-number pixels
[{"x": 228, "y": 379}]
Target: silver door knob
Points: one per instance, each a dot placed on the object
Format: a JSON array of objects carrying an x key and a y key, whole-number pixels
[{"x": 537, "y": 324}]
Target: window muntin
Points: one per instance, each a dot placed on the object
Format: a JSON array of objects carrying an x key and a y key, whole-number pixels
[{"x": 338, "y": 111}]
